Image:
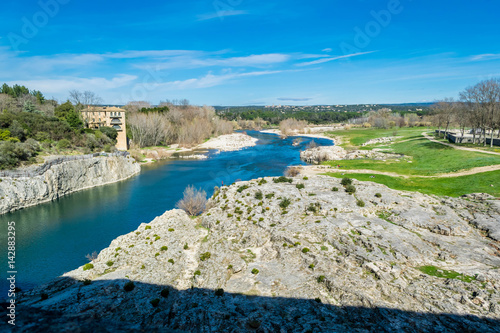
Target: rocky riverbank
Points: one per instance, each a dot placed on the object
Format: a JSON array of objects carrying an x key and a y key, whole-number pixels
[
  {"x": 64, "y": 178},
  {"x": 301, "y": 255},
  {"x": 336, "y": 153}
]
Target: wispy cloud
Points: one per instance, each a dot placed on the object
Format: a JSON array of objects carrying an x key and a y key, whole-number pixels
[
  {"x": 294, "y": 99},
  {"x": 221, "y": 14},
  {"x": 211, "y": 80},
  {"x": 486, "y": 56},
  {"x": 56, "y": 85},
  {"x": 323, "y": 60}
]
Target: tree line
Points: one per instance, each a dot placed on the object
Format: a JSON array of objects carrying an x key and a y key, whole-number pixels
[{"x": 478, "y": 109}]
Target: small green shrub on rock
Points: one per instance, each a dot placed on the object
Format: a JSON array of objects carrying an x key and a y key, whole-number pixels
[
  {"x": 346, "y": 181},
  {"x": 255, "y": 271},
  {"x": 305, "y": 250},
  {"x": 205, "y": 256},
  {"x": 360, "y": 203},
  {"x": 282, "y": 179},
  {"x": 378, "y": 195},
  {"x": 285, "y": 203},
  {"x": 321, "y": 278},
  {"x": 197, "y": 273},
  {"x": 242, "y": 188},
  {"x": 350, "y": 189},
  {"x": 259, "y": 195},
  {"x": 110, "y": 263},
  {"x": 186, "y": 246},
  {"x": 300, "y": 186},
  {"x": 147, "y": 227},
  {"x": 335, "y": 189},
  {"x": 164, "y": 248},
  {"x": 171, "y": 261},
  {"x": 88, "y": 266}
]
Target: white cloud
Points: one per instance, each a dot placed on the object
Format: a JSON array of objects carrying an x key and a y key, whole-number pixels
[
  {"x": 64, "y": 84},
  {"x": 327, "y": 50},
  {"x": 486, "y": 56},
  {"x": 221, "y": 14},
  {"x": 211, "y": 80},
  {"x": 320, "y": 61}
]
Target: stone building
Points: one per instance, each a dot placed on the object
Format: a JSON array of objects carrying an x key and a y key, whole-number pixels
[{"x": 110, "y": 116}]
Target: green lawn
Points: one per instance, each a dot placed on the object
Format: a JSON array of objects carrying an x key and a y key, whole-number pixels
[
  {"x": 454, "y": 187},
  {"x": 428, "y": 158},
  {"x": 358, "y": 136}
]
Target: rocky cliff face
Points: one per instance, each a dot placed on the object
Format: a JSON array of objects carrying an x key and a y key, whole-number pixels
[
  {"x": 277, "y": 257},
  {"x": 62, "y": 179}
]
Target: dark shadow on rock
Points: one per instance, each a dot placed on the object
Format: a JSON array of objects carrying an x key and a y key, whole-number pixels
[{"x": 105, "y": 306}]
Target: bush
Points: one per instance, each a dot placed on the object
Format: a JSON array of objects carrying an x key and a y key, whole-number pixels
[
  {"x": 378, "y": 195},
  {"x": 197, "y": 273},
  {"x": 88, "y": 266},
  {"x": 171, "y": 261},
  {"x": 269, "y": 196},
  {"x": 129, "y": 286},
  {"x": 262, "y": 181},
  {"x": 346, "y": 181},
  {"x": 242, "y": 188},
  {"x": 350, "y": 189},
  {"x": 258, "y": 195},
  {"x": 321, "y": 278},
  {"x": 300, "y": 186},
  {"x": 205, "y": 256},
  {"x": 292, "y": 172},
  {"x": 305, "y": 250},
  {"x": 360, "y": 203},
  {"x": 186, "y": 246},
  {"x": 165, "y": 292},
  {"x": 285, "y": 203},
  {"x": 110, "y": 132},
  {"x": 155, "y": 302},
  {"x": 194, "y": 201},
  {"x": 282, "y": 179},
  {"x": 335, "y": 189},
  {"x": 110, "y": 263},
  {"x": 306, "y": 178},
  {"x": 255, "y": 271}
]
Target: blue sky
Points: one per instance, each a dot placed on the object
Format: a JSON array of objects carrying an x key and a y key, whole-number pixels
[{"x": 242, "y": 52}]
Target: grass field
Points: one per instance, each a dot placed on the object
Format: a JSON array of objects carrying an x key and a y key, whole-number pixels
[
  {"x": 453, "y": 187},
  {"x": 427, "y": 158}
]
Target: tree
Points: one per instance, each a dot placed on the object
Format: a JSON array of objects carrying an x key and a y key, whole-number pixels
[
  {"x": 73, "y": 119},
  {"x": 62, "y": 110},
  {"x": 446, "y": 112},
  {"x": 194, "y": 201},
  {"x": 86, "y": 98},
  {"x": 483, "y": 101}
]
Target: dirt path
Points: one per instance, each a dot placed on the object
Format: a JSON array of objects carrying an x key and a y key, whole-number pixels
[
  {"x": 458, "y": 147},
  {"x": 314, "y": 170}
]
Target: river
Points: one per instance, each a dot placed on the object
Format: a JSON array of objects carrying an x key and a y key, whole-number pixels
[{"x": 54, "y": 237}]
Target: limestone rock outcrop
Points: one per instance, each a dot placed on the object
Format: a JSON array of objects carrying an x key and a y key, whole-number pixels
[
  {"x": 320, "y": 154},
  {"x": 277, "y": 257},
  {"x": 64, "y": 178}
]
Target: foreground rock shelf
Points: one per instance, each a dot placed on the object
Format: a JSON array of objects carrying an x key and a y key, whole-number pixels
[{"x": 321, "y": 261}]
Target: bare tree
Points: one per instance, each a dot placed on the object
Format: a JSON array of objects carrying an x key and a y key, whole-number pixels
[
  {"x": 85, "y": 98},
  {"x": 483, "y": 101},
  {"x": 446, "y": 112},
  {"x": 194, "y": 201}
]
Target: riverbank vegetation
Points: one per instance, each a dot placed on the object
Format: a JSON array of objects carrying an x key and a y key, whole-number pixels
[
  {"x": 170, "y": 123},
  {"x": 32, "y": 126}
]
